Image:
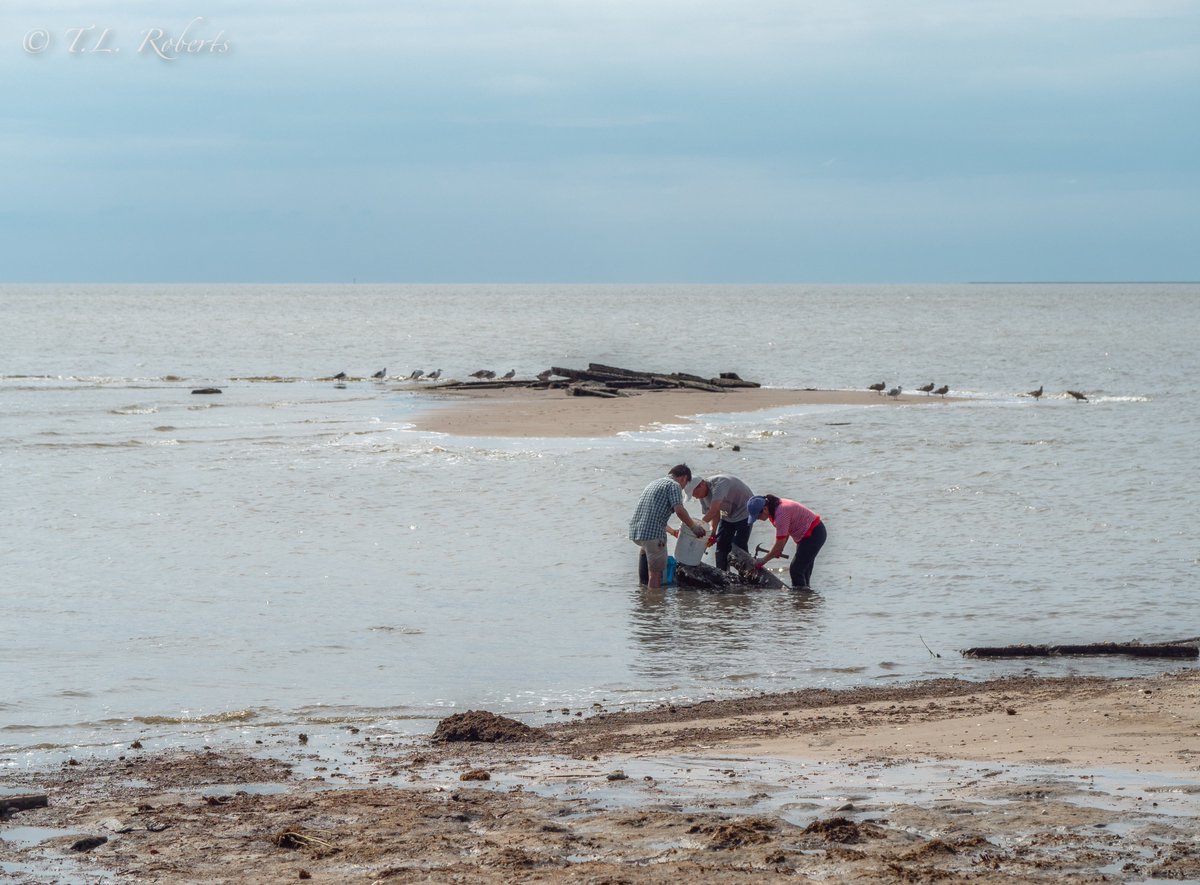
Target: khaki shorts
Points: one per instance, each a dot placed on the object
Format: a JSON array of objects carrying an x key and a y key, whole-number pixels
[{"x": 656, "y": 554}]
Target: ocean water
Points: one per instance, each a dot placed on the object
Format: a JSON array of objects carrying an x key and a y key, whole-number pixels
[{"x": 291, "y": 553}]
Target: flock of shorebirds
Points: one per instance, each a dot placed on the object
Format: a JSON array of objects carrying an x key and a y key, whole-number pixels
[
  {"x": 882, "y": 388},
  {"x": 422, "y": 375}
]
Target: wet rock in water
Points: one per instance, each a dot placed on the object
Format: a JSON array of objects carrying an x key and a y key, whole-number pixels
[
  {"x": 475, "y": 774},
  {"x": 207, "y": 390},
  {"x": 483, "y": 727}
]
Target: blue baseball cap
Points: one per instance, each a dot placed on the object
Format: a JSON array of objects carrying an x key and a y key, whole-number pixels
[{"x": 754, "y": 507}]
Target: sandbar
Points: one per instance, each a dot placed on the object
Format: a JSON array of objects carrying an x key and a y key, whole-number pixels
[{"x": 524, "y": 412}]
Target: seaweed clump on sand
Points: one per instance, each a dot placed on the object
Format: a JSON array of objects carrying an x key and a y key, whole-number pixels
[{"x": 483, "y": 727}]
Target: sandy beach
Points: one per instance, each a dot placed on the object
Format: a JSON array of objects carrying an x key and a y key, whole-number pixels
[
  {"x": 1014, "y": 780},
  {"x": 521, "y": 412}
]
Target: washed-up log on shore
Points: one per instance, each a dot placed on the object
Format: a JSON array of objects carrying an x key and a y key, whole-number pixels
[
  {"x": 599, "y": 377},
  {"x": 23, "y": 802},
  {"x": 1101, "y": 648}
]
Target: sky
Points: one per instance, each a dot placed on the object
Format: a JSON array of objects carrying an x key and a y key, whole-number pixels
[{"x": 599, "y": 140}]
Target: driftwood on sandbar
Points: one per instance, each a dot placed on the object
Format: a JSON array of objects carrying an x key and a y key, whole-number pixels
[
  {"x": 598, "y": 378},
  {"x": 1100, "y": 648},
  {"x": 24, "y": 801}
]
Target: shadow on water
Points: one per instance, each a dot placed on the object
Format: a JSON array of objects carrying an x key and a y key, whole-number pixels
[{"x": 722, "y": 637}]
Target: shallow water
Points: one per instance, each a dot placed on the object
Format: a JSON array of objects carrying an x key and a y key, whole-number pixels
[{"x": 292, "y": 552}]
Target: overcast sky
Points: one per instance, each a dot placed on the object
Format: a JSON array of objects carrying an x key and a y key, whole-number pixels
[{"x": 600, "y": 140}]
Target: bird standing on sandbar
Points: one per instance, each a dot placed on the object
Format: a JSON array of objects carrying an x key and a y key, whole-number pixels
[
  {"x": 1079, "y": 397},
  {"x": 340, "y": 376},
  {"x": 509, "y": 375},
  {"x": 544, "y": 375},
  {"x": 1037, "y": 394},
  {"x": 382, "y": 373},
  {"x": 925, "y": 388},
  {"x": 434, "y": 376},
  {"x": 895, "y": 392},
  {"x": 878, "y": 388},
  {"x": 417, "y": 373},
  {"x": 482, "y": 373},
  {"x": 943, "y": 390}
]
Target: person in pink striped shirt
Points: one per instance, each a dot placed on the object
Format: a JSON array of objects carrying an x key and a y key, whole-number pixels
[{"x": 791, "y": 520}]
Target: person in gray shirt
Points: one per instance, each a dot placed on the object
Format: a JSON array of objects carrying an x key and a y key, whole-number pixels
[{"x": 724, "y": 498}]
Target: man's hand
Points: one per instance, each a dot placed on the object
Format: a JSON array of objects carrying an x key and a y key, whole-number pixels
[{"x": 699, "y": 530}]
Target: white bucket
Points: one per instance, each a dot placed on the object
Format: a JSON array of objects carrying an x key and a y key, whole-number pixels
[{"x": 689, "y": 549}]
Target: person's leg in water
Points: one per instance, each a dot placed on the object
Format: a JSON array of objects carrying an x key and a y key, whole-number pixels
[
  {"x": 654, "y": 557},
  {"x": 804, "y": 557},
  {"x": 729, "y": 534}
]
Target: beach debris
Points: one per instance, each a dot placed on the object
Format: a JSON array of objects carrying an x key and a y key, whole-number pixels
[
  {"x": 843, "y": 830},
  {"x": 1136, "y": 649},
  {"x": 601, "y": 377},
  {"x": 475, "y": 774},
  {"x": 294, "y": 838},
  {"x": 1079, "y": 397},
  {"x": 617, "y": 775},
  {"x": 483, "y": 727},
  {"x": 207, "y": 390},
  {"x": 10, "y": 805},
  {"x": 88, "y": 843},
  {"x": 737, "y": 833}
]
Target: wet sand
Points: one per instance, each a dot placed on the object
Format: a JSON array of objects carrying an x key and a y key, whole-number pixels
[
  {"x": 522, "y": 412},
  {"x": 1013, "y": 780}
]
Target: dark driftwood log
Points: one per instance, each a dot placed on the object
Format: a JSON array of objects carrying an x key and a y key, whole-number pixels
[
  {"x": 1102, "y": 648},
  {"x": 592, "y": 389},
  {"x": 24, "y": 801},
  {"x": 743, "y": 563}
]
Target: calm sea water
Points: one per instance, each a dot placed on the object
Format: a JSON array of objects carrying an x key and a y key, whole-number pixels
[{"x": 291, "y": 552}]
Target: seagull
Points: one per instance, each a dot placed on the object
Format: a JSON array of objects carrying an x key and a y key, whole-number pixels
[
  {"x": 894, "y": 392},
  {"x": 380, "y": 374},
  {"x": 1078, "y": 396},
  {"x": 925, "y": 388},
  {"x": 489, "y": 375},
  {"x": 482, "y": 373},
  {"x": 1036, "y": 394},
  {"x": 943, "y": 390},
  {"x": 416, "y": 375},
  {"x": 434, "y": 376},
  {"x": 878, "y": 388},
  {"x": 545, "y": 375},
  {"x": 340, "y": 376},
  {"x": 509, "y": 375}
]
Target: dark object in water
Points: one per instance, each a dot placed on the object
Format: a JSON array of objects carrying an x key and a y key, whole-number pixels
[
  {"x": 1101, "y": 648},
  {"x": 207, "y": 390},
  {"x": 484, "y": 727}
]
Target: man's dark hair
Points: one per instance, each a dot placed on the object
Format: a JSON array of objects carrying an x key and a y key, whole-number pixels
[{"x": 681, "y": 470}]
